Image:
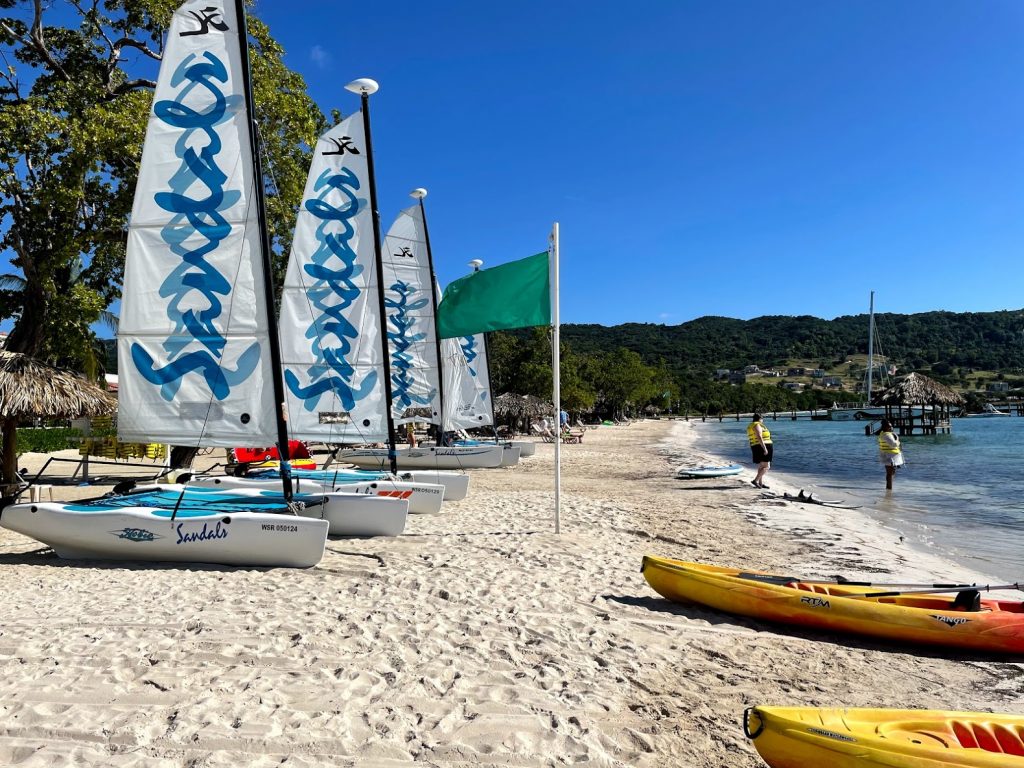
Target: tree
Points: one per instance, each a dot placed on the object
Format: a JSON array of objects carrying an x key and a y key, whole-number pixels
[{"x": 73, "y": 119}]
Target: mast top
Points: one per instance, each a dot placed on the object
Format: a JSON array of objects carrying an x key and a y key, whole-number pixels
[
  {"x": 476, "y": 264},
  {"x": 363, "y": 85},
  {"x": 419, "y": 193}
]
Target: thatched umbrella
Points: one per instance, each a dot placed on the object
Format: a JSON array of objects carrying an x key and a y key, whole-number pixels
[
  {"x": 916, "y": 389},
  {"x": 518, "y": 409},
  {"x": 29, "y": 389}
]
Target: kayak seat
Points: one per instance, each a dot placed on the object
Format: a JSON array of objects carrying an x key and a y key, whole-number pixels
[
  {"x": 998, "y": 738},
  {"x": 967, "y": 601}
]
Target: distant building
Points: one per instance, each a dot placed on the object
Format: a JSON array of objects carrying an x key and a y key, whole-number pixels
[
  {"x": 796, "y": 372},
  {"x": 794, "y": 386},
  {"x": 998, "y": 386},
  {"x": 722, "y": 373},
  {"x": 751, "y": 369},
  {"x": 737, "y": 378},
  {"x": 818, "y": 373},
  {"x": 832, "y": 381}
]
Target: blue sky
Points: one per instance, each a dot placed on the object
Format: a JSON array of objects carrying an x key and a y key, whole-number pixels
[{"x": 727, "y": 158}]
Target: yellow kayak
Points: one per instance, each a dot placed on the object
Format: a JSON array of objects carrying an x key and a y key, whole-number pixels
[
  {"x": 806, "y": 737},
  {"x": 933, "y": 619}
]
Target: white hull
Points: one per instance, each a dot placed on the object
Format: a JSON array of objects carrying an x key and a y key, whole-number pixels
[
  {"x": 855, "y": 414},
  {"x": 509, "y": 456},
  {"x": 456, "y": 484},
  {"x": 422, "y": 498},
  {"x": 358, "y": 515},
  {"x": 526, "y": 447},
  {"x": 428, "y": 457},
  {"x": 258, "y": 539}
]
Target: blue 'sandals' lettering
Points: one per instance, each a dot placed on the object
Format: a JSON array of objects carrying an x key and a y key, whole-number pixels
[
  {"x": 206, "y": 534},
  {"x": 196, "y": 212},
  {"x": 332, "y": 268},
  {"x": 401, "y": 340}
]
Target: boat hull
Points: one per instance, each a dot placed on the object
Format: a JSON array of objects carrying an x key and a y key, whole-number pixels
[
  {"x": 422, "y": 498},
  {"x": 798, "y": 737},
  {"x": 427, "y": 457},
  {"x": 918, "y": 619},
  {"x": 361, "y": 516},
  {"x": 142, "y": 533},
  {"x": 456, "y": 484}
]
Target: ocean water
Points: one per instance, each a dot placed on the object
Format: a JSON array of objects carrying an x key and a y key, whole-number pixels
[{"x": 960, "y": 495}]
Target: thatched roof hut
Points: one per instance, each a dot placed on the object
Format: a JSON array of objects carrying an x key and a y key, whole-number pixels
[
  {"x": 916, "y": 389},
  {"x": 515, "y": 406},
  {"x": 31, "y": 388}
]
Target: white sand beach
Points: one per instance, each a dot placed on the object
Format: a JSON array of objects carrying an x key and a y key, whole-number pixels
[{"x": 478, "y": 638}]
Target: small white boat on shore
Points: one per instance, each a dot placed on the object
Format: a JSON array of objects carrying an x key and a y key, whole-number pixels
[{"x": 429, "y": 457}]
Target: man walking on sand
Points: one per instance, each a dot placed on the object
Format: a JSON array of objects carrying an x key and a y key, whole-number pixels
[{"x": 760, "y": 447}]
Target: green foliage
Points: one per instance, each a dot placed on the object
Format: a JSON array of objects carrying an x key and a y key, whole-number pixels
[
  {"x": 985, "y": 340},
  {"x": 73, "y": 121},
  {"x": 33, "y": 440}
]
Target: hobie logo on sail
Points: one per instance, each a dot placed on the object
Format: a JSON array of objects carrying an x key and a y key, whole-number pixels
[
  {"x": 401, "y": 340},
  {"x": 195, "y": 290},
  {"x": 332, "y": 268}
]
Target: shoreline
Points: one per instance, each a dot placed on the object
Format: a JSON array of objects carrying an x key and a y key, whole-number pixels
[
  {"x": 478, "y": 638},
  {"x": 863, "y": 527}
]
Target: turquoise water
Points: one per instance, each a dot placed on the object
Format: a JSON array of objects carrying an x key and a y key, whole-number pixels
[{"x": 960, "y": 494}]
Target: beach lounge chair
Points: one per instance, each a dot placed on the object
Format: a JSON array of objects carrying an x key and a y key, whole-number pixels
[{"x": 546, "y": 434}]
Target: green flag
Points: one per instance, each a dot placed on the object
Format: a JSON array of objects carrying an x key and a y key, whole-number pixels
[{"x": 513, "y": 295}]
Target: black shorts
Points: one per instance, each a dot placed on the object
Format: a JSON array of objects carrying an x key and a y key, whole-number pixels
[{"x": 762, "y": 454}]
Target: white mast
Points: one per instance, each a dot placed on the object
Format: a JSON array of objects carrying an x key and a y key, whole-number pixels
[
  {"x": 871, "y": 345},
  {"x": 556, "y": 374}
]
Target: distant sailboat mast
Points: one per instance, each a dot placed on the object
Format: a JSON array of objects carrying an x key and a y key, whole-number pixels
[{"x": 871, "y": 345}]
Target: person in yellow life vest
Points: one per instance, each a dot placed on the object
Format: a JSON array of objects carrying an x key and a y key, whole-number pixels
[
  {"x": 760, "y": 447},
  {"x": 889, "y": 452}
]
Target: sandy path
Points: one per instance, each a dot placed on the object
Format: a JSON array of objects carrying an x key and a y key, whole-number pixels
[{"x": 478, "y": 638}]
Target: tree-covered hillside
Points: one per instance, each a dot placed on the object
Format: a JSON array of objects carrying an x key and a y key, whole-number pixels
[{"x": 985, "y": 340}]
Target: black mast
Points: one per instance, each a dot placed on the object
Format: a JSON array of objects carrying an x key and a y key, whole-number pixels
[
  {"x": 268, "y": 290},
  {"x": 419, "y": 194},
  {"x": 364, "y": 91}
]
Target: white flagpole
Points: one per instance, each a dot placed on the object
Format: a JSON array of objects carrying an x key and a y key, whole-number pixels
[{"x": 556, "y": 371}]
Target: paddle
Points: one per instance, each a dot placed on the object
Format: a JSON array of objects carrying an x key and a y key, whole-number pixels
[{"x": 970, "y": 588}]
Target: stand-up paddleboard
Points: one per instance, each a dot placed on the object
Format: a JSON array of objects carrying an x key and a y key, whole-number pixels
[{"x": 692, "y": 473}]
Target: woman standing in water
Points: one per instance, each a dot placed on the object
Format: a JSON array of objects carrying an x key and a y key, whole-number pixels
[
  {"x": 889, "y": 452},
  {"x": 760, "y": 447}
]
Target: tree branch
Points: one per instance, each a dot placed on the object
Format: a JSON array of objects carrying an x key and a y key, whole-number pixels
[{"x": 40, "y": 44}]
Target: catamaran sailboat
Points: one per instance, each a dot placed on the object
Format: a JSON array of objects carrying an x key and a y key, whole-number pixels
[
  {"x": 197, "y": 343},
  {"x": 332, "y": 371}
]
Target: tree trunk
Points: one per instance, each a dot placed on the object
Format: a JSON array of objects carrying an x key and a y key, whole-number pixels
[
  {"x": 28, "y": 332},
  {"x": 9, "y": 479}
]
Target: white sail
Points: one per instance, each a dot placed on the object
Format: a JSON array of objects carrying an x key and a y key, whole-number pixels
[
  {"x": 193, "y": 344},
  {"x": 409, "y": 307},
  {"x": 330, "y": 310},
  {"x": 466, "y": 383}
]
